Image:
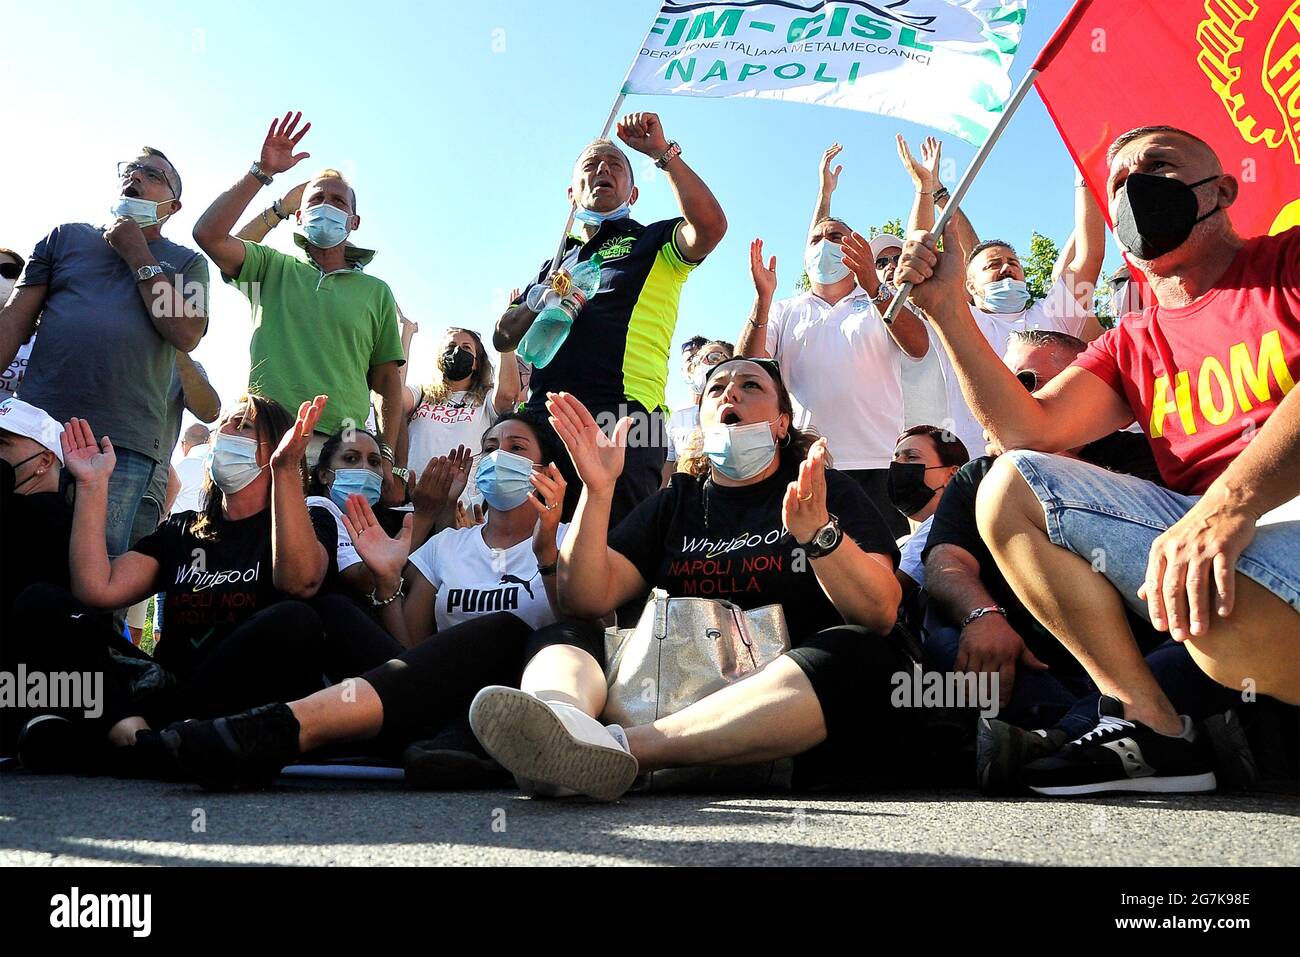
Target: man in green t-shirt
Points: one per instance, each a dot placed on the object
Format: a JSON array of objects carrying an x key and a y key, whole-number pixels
[{"x": 321, "y": 326}]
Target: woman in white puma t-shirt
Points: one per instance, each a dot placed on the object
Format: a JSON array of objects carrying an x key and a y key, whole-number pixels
[{"x": 458, "y": 403}]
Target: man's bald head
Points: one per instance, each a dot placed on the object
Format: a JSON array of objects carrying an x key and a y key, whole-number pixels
[
  {"x": 1194, "y": 142},
  {"x": 196, "y": 434}
]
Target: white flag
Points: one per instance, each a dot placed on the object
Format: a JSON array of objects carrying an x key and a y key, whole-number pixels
[{"x": 940, "y": 63}]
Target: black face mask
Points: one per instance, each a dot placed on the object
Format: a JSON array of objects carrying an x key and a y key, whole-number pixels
[
  {"x": 457, "y": 364},
  {"x": 1156, "y": 214},
  {"x": 9, "y": 475},
  {"x": 906, "y": 486}
]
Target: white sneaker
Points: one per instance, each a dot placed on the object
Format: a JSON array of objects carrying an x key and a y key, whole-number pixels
[{"x": 552, "y": 748}]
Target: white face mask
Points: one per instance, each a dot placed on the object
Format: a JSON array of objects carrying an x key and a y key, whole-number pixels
[
  {"x": 143, "y": 211},
  {"x": 740, "y": 451},
  {"x": 232, "y": 462},
  {"x": 6, "y": 287},
  {"x": 824, "y": 262}
]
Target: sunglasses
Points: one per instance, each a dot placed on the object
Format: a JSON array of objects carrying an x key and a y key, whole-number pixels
[
  {"x": 1028, "y": 379},
  {"x": 884, "y": 262},
  {"x": 10, "y": 270}
]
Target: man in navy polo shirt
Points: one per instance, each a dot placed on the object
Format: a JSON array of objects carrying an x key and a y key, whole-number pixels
[{"x": 615, "y": 359}]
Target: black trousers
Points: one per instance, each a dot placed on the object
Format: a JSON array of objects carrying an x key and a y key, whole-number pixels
[
  {"x": 875, "y": 483},
  {"x": 283, "y": 652},
  {"x": 430, "y": 686}
]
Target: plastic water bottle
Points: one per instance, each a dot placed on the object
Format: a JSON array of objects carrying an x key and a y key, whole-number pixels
[{"x": 562, "y": 303}]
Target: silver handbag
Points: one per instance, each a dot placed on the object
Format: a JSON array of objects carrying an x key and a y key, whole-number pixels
[{"x": 684, "y": 649}]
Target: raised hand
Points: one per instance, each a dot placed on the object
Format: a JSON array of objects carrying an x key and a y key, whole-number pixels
[
  {"x": 597, "y": 457},
  {"x": 459, "y": 459},
  {"x": 643, "y": 133},
  {"x": 830, "y": 178},
  {"x": 857, "y": 256},
  {"x": 764, "y": 276},
  {"x": 551, "y": 486},
  {"x": 468, "y": 517},
  {"x": 89, "y": 462},
  {"x": 293, "y": 447},
  {"x": 925, "y": 174},
  {"x": 431, "y": 490},
  {"x": 803, "y": 510},
  {"x": 291, "y": 202},
  {"x": 281, "y": 140},
  {"x": 384, "y": 556},
  {"x": 937, "y": 278}
]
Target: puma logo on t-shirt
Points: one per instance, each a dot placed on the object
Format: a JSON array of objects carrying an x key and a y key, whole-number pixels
[{"x": 511, "y": 579}]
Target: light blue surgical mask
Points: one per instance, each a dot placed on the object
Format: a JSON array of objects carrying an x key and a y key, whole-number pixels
[
  {"x": 1006, "y": 296},
  {"x": 502, "y": 477},
  {"x": 143, "y": 211},
  {"x": 592, "y": 218},
  {"x": 361, "y": 482},
  {"x": 825, "y": 263},
  {"x": 232, "y": 462},
  {"x": 740, "y": 451},
  {"x": 325, "y": 226}
]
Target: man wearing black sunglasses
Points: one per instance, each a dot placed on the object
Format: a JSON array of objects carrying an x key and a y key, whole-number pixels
[{"x": 124, "y": 302}]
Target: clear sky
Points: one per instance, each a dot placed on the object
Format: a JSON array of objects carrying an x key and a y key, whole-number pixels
[{"x": 458, "y": 125}]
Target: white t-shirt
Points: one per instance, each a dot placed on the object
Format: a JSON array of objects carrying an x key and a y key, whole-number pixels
[
  {"x": 681, "y": 427},
  {"x": 925, "y": 388},
  {"x": 190, "y": 470},
  {"x": 473, "y": 579},
  {"x": 437, "y": 429},
  {"x": 1058, "y": 312},
  {"x": 909, "y": 562},
  {"x": 844, "y": 373},
  {"x": 12, "y": 378},
  {"x": 345, "y": 551}
]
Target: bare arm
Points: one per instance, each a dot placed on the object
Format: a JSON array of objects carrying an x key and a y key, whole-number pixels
[
  {"x": 212, "y": 231},
  {"x": 386, "y": 383},
  {"x": 200, "y": 397},
  {"x": 705, "y": 224},
  {"x": 1073, "y": 409},
  {"x": 257, "y": 228},
  {"x": 752, "y": 342},
  {"x": 18, "y": 320},
  {"x": 173, "y": 489},
  {"x": 98, "y": 581},
  {"x": 508, "y": 386},
  {"x": 409, "y": 329},
  {"x": 952, "y": 577},
  {"x": 593, "y": 578},
  {"x": 827, "y": 181},
  {"x": 298, "y": 559},
  {"x": 925, "y": 179}
]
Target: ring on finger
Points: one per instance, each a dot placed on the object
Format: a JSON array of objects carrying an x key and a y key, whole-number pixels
[{"x": 805, "y": 498}]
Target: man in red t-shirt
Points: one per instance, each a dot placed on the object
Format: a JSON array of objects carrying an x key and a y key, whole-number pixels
[{"x": 1209, "y": 374}]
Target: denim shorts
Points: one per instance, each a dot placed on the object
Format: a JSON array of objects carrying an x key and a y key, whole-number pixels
[{"x": 1111, "y": 520}]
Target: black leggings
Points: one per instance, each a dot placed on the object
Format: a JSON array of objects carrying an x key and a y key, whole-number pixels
[
  {"x": 431, "y": 686},
  {"x": 283, "y": 652},
  {"x": 851, "y": 670}
]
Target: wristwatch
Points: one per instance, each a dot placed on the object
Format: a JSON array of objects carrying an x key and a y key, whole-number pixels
[
  {"x": 981, "y": 612},
  {"x": 256, "y": 172},
  {"x": 825, "y": 540},
  {"x": 674, "y": 150},
  {"x": 145, "y": 273}
]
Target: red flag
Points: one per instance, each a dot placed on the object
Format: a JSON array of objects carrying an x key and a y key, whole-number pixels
[{"x": 1227, "y": 71}]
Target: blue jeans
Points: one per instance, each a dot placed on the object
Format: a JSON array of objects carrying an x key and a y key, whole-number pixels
[
  {"x": 1112, "y": 519},
  {"x": 126, "y": 488}
]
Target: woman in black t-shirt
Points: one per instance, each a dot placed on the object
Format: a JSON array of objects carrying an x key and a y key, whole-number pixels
[
  {"x": 235, "y": 580},
  {"x": 757, "y": 519}
]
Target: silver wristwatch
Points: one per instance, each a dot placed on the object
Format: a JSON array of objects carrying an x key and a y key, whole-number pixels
[
  {"x": 145, "y": 273},
  {"x": 825, "y": 541},
  {"x": 256, "y": 172}
]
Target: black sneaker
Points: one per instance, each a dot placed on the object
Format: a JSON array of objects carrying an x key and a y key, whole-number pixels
[
  {"x": 1234, "y": 762},
  {"x": 1122, "y": 755},
  {"x": 50, "y": 744},
  {"x": 453, "y": 761},
  {"x": 247, "y": 750},
  {"x": 149, "y": 758},
  {"x": 1003, "y": 750}
]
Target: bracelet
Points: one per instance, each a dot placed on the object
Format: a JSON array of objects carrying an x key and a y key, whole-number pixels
[
  {"x": 884, "y": 293},
  {"x": 941, "y": 193},
  {"x": 981, "y": 612},
  {"x": 267, "y": 223},
  {"x": 278, "y": 209},
  {"x": 757, "y": 325},
  {"x": 545, "y": 570},
  {"x": 380, "y": 603}
]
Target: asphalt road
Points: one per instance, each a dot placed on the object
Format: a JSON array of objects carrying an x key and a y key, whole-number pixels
[{"x": 65, "y": 820}]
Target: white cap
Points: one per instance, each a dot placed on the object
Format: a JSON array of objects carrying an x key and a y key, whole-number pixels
[
  {"x": 883, "y": 242},
  {"x": 22, "y": 418}
]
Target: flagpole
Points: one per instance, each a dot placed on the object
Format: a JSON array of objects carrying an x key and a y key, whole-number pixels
[
  {"x": 604, "y": 132},
  {"x": 967, "y": 178}
]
